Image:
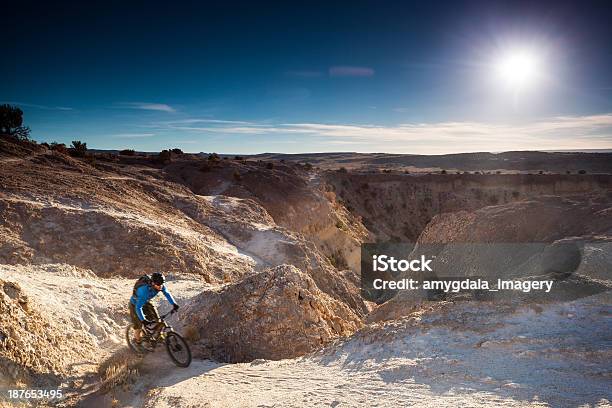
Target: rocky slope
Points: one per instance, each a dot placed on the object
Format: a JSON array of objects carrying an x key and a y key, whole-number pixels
[
  {"x": 291, "y": 194},
  {"x": 34, "y": 349},
  {"x": 115, "y": 221},
  {"x": 278, "y": 313},
  {"x": 57, "y": 209}
]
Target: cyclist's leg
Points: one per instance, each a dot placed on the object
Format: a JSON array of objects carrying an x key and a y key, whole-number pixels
[
  {"x": 150, "y": 312},
  {"x": 136, "y": 323}
]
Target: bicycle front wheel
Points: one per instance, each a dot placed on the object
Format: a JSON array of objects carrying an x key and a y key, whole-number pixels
[{"x": 178, "y": 350}]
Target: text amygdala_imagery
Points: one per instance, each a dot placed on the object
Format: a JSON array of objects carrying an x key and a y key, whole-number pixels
[
  {"x": 502, "y": 270},
  {"x": 456, "y": 286}
]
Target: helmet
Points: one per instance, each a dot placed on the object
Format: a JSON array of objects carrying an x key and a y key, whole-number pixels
[{"x": 157, "y": 278}]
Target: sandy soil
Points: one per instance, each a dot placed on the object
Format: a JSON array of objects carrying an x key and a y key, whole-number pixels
[{"x": 551, "y": 356}]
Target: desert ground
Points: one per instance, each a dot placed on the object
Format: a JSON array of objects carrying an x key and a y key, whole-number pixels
[{"x": 263, "y": 255}]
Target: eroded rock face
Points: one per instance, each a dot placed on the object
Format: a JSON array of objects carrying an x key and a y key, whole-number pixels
[
  {"x": 563, "y": 239},
  {"x": 278, "y": 313},
  {"x": 295, "y": 198},
  {"x": 129, "y": 220},
  {"x": 398, "y": 207},
  {"x": 33, "y": 346}
]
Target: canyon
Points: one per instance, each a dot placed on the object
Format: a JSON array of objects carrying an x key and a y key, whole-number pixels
[{"x": 263, "y": 254}]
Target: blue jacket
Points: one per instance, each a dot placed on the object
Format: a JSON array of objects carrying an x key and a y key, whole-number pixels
[{"x": 145, "y": 293}]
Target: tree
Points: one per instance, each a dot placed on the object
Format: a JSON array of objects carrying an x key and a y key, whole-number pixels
[
  {"x": 78, "y": 148},
  {"x": 177, "y": 151},
  {"x": 11, "y": 121}
]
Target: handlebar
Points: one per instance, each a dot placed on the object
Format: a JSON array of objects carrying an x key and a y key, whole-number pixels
[{"x": 167, "y": 314}]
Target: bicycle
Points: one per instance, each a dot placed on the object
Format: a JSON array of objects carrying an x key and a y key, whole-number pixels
[{"x": 176, "y": 346}]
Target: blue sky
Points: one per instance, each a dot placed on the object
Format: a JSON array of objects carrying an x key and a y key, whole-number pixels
[{"x": 395, "y": 77}]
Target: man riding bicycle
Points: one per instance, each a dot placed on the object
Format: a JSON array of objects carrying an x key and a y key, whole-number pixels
[{"x": 142, "y": 311}]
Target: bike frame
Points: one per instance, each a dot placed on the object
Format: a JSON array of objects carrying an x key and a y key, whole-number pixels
[{"x": 159, "y": 333}]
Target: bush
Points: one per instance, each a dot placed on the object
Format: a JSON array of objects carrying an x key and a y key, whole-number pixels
[
  {"x": 238, "y": 158},
  {"x": 127, "y": 152},
  {"x": 78, "y": 148},
  {"x": 581, "y": 171},
  {"x": 308, "y": 166},
  {"x": 443, "y": 171},
  {"x": 342, "y": 170},
  {"x": 237, "y": 176},
  {"x": 58, "y": 147},
  {"x": 164, "y": 157},
  {"x": 269, "y": 165},
  {"x": 214, "y": 157},
  {"x": 11, "y": 121},
  {"x": 176, "y": 151}
]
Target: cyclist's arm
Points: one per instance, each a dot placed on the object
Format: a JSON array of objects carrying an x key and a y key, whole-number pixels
[
  {"x": 168, "y": 296},
  {"x": 141, "y": 299}
]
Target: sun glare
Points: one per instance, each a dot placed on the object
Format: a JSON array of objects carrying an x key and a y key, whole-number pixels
[{"x": 517, "y": 69}]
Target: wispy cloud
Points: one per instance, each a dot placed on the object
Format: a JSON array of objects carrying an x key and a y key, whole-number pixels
[
  {"x": 33, "y": 105},
  {"x": 563, "y": 132},
  {"x": 132, "y": 135},
  {"x": 234, "y": 122},
  {"x": 350, "y": 71},
  {"x": 162, "y": 107}
]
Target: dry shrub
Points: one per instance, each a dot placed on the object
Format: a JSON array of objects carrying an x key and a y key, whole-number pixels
[{"x": 120, "y": 370}]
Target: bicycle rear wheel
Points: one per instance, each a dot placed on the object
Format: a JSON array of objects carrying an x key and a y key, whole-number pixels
[{"x": 178, "y": 350}]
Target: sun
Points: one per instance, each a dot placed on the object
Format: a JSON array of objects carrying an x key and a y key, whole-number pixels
[{"x": 518, "y": 69}]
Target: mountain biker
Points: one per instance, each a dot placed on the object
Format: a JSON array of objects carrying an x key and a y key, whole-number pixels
[{"x": 142, "y": 311}]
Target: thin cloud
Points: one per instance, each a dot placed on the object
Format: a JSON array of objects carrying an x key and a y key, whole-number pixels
[
  {"x": 44, "y": 107},
  {"x": 132, "y": 135},
  {"x": 563, "y": 132},
  {"x": 350, "y": 71},
  {"x": 162, "y": 107}
]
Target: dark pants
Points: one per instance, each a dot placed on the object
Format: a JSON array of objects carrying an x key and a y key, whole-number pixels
[{"x": 149, "y": 311}]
